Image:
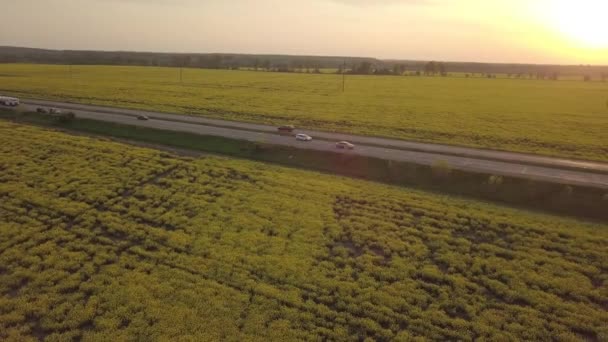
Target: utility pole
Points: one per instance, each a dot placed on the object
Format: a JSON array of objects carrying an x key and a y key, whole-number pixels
[
  {"x": 181, "y": 72},
  {"x": 70, "y": 70},
  {"x": 344, "y": 75}
]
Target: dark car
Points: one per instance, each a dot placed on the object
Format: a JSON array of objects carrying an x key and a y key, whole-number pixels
[
  {"x": 286, "y": 129},
  {"x": 143, "y": 117}
]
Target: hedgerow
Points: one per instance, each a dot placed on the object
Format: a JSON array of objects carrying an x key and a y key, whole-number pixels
[{"x": 100, "y": 240}]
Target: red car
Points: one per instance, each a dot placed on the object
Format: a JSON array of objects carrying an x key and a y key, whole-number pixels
[{"x": 286, "y": 129}]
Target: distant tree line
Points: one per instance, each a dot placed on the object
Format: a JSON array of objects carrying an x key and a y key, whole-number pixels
[
  {"x": 306, "y": 64},
  {"x": 281, "y": 63},
  {"x": 397, "y": 69}
]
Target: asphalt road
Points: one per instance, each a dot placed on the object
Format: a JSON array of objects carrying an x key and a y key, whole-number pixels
[{"x": 557, "y": 170}]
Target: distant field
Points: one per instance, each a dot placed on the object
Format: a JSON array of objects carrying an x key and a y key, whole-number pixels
[
  {"x": 103, "y": 241},
  {"x": 564, "y": 118}
]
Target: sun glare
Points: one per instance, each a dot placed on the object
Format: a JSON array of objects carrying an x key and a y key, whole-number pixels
[{"x": 583, "y": 21}]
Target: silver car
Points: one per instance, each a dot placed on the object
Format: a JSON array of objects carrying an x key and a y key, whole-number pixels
[
  {"x": 303, "y": 137},
  {"x": 9, "y": 101},
  {"x": 345, "y": 145}
]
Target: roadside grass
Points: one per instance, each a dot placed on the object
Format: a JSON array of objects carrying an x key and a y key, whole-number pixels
[{"x": 560, "y": 118}]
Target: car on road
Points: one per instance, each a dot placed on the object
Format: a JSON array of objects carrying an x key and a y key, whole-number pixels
[
  {"x": 143, "y": 117},
  {"x": 345, "y": 145},
  {"x": 286, "y": 129},
  {"x": 9, "y": 101},
  {"x": 44, "y": 110},
  {"x": 303, "y": 137}
]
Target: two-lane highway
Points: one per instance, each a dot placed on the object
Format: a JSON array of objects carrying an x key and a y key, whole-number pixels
[{"x": 557, "y": 170}]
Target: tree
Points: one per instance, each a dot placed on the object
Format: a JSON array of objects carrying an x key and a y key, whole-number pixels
[
  {"x": 283, "y": 67},
  {"x": 396, "y": 70},
  {"x": 364, "y": 68},
  {"x": 399, "y": 69},
  {"x": 215, "y": 62},
  {"x": 180, "y": 61},
  {"x": 441, "y": 69},
  {"x": 402, "y": 68},
  {"x": 430, "y": 68}
]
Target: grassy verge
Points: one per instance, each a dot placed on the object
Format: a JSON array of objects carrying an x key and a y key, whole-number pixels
[{"x": 555, "y": 198}]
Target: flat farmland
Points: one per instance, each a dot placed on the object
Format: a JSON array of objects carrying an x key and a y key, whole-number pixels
[
  {"x": 561, "y": 118},
  {"x": 106, "y": 241}
]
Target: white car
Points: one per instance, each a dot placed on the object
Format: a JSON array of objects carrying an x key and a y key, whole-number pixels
[
  {"x": 303, "y": 137},
  {"x": 345, "y": 145},
  {"x": 9, "y": 101}
]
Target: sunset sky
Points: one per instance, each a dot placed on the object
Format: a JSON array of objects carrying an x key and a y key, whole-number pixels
[{"x": 528, "y": 31}]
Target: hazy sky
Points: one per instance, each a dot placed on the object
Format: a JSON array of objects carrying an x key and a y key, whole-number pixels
[{"x": 537, "y": 31}]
